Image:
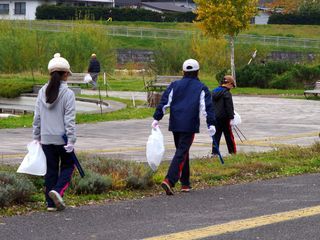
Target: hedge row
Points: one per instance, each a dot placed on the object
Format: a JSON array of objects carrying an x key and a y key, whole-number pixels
[
  {"x": 295, "y": 18},
  {"x": 278, "y": 75},
  {"x": 117, "y": 14},
  {"x": 14, "y": 89}
]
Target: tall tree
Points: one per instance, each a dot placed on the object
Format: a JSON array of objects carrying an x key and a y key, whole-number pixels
[{"x": 220, "y": 17}]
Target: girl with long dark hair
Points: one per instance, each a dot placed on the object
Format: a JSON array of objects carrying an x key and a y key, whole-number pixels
[{"x": 54, "y": 117}]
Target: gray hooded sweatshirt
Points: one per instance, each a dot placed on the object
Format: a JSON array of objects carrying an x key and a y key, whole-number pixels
[{"x": 52, "y": 121}]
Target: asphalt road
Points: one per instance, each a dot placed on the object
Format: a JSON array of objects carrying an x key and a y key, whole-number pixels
[{"x": 219, "y": 207}]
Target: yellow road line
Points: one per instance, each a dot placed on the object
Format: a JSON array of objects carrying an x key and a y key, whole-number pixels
[
  {"x": 293, "y": 136},
  {"x": 239, "y": 225},
  {"x": 18, "y": 155}
]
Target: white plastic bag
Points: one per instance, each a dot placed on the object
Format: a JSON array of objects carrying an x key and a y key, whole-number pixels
[
  {"x": 35, "y": 162},
  {"x": 155, "y": 148},
  {"x": 87, "y": 78},
  {"x": 236, "y": 119}
]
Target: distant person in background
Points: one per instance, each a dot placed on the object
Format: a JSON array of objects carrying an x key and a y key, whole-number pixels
[
  {"x": 224, "y": 110},
  {"x": 94, "y": 70}
]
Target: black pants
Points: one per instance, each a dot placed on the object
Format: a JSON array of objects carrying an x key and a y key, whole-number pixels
[
  {"x": 223, "y": 126},
  {"x": 60, "y": 167},
  {"x": 179, "y": 167},
  {"x": 94, "y": 77}
]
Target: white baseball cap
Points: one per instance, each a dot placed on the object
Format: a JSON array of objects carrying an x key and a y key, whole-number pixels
[
  {"x": 58, "y": 63},
  {"x": 190, "y": 65}
]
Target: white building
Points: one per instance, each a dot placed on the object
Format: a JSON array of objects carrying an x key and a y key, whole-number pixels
[
  {"x": 26, "y": 9},
  {"x": 262, "y": 18},
  {"x": 20, "y": 9}
]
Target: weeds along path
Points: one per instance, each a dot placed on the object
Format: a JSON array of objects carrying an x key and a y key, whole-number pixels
[{"x": 266, "y": 122}]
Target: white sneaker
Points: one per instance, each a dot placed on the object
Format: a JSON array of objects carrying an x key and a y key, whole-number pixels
[
  {"x": 51, "y": 209},
  {"x": 57, "y": 199}
]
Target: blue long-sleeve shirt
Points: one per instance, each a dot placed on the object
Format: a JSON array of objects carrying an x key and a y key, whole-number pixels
[{"x": 187, "y": 98}]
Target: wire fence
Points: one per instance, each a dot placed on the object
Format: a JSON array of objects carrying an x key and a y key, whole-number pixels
[
  {"x": 279, "y": 41},
  {"x": 155, "y": 33}
]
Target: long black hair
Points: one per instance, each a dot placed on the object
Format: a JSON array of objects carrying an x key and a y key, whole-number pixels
[{"x": 52, "y": 90}]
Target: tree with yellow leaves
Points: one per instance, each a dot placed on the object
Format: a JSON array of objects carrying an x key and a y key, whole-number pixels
[{"x": 220, "y": 17}]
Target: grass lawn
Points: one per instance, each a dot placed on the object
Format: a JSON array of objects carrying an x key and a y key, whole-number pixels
[
  {"x": 293, "y": 31},
  {"x": 136, "y": 43},
  {"x": 162, "y": 25},
  {"x": 298, "y": 31},
  {"x": 120, "y": 82}
]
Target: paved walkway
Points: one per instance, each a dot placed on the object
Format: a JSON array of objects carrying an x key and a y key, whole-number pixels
[
  {"x": 267, "y": 123},
  {"x": 118, "y": 94},
  {"x": 27, "y": 103}
]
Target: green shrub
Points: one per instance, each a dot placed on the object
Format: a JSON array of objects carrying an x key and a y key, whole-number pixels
[
  {"x": 307, "y": 74},
  {"x": 92, "y": 183},
  {"x": 307, "y": 14},
  {"x": 259, "y": 75},
  {"x": 283, "y": 81},
  {"x": 124, "y": 173},
  {"x": 22, "y": 50},
  {"x": 14, "y": 188},
  {"x": 5, "y": 198},
  {"x": 14, "y": 89},
  {"x": 280, "y": 75},
  {"x": 169, "y": 56},
  {"x": 38, "y": 182},
  {"x": 296, "y": 77},
  {"x": 140, "y": 179},
  {"x": 55, "y": 12}
]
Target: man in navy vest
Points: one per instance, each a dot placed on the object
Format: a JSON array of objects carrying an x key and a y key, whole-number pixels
[{"x": 187, "y": 98}]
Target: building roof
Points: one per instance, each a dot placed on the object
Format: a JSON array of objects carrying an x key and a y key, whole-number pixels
[
  {"x": 127, "y": 2},
  {"x": 167, "y": 6},
  {"x": 98, "y": 1},
  {"x": 91, "y": 1},
  {"x": 95, "y": 1}
]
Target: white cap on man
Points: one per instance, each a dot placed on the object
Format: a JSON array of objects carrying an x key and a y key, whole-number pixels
[{"x": 190, "y": 65}]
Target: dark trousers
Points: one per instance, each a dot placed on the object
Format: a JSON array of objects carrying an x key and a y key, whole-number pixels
[
  {"x": 60, "y": 167},
  {"x": 223, "y": 126},
  {"x": 179, "y": 167},
  {"x": 94, "y": 77}
]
